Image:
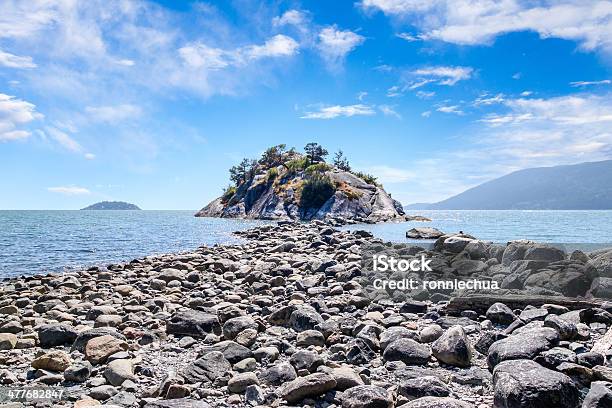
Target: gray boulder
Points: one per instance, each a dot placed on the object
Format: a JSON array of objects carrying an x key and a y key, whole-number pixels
[
  {"x": 526, "y": 384},
  {"x": 453, "y": 348},
  {"x": 408, "y": 351},
  {"x": 193, "y": 323},
  {"x": 599, "y": 396},
  {"x": 524, "y": 345},
  {"x": 367, "y": 396},
  {"x": 312, "y": 385}
]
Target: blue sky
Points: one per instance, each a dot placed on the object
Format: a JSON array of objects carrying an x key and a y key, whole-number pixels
[{"x": 152, "y": 102}]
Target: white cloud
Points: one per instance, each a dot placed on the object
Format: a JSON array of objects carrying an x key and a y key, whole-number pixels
[
  {"x": 277, "y": 46},
  {"x": 331, "y": 112},
  {"x": 425, "y": 94},
  {"x": 389, "y": 175},
  {"x": 113, "y": 113},
  {"x": 564, "y": 110},
  {"x": 489, "y": 100},
  {"x": 69, "y": 190},
  {"x": 441, "y": 75},
  {"x": 394, "y": 92},
  {"x": 90, "y": 156},
  {"x": 526, "y": 93},
  {"x": 388, "y": 110},
  {"x": 13, "y": 114},
  {"x": 408, "y": 37},
  {"x": 63, "y": 139},
  {"x": 426, "y": 114},
  {"x": 589, "y": 83},
  {"x": 334, "y": 45},
  {"x": 290, "y": 17},
  {"x": 471, "y": 22},
  {"x": 450, "y": 109},
  {"x": 199, "y": 55},
  {"x": 14, "y": 61},
  {"x": 361, "y": 95}
]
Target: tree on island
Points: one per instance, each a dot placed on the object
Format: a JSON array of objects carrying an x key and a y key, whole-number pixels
[
  {"x": 243, "y": 171},
  {"x": 315, "y": 152},
  {"x": 341, "y": 162}
]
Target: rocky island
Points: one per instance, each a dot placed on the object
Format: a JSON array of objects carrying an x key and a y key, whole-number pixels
[
  {"x": 111, "y": 205},
  {"x": 286, "y": 185},
  {"x": 290, "y": 318}
]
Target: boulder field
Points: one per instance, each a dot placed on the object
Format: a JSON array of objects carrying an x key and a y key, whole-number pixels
[{"x": 289, "y": 319}]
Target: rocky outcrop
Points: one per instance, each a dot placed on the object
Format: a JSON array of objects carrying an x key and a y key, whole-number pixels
[{"x": 280, "y": 198}]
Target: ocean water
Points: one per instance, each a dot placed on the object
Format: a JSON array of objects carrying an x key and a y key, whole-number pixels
[
  {"x": 586, "y": 230},
  {"x": 50, "y": 241}
]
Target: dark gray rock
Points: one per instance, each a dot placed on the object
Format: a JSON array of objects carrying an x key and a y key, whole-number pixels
[
  {"x": 367, "y": 396},
  {"x": 453, "y": 348},
  {"x": 312, "y": 385},
  {"x": 206, "y": 368},
  {"x": 304, "y": 318},
  {"x": 500, "y": 314},
  {"x": 408, "y": 351},
  {"x": 423, "y": 387},
  {"x": 599, "y": 396},
  {"x": 525, "y": 345},
  {"x": 525, "y": 384},
  {"x": 53, "y": 335},
  {"x": 278, "y": 374},
  {"x": 193, "y": 323}
]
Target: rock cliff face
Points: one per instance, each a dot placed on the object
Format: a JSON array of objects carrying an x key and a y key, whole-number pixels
[{"x": 349, "y": 198}]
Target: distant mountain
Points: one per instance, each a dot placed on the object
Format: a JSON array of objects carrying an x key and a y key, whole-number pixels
[
  {"x": 111, "y": 205},
  {"x": 584, "y": 186}
]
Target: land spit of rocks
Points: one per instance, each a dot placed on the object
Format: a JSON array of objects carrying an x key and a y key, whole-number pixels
[{"x": 288, "y": 319}]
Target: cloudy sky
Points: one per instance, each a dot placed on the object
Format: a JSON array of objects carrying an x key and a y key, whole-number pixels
[{"x": 151, "y": 102}]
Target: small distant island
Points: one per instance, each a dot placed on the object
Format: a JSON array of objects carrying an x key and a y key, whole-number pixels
[{"x": 112, "y": 205}]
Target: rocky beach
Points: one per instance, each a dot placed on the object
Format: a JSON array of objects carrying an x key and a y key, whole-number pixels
[{"x": 290, "y": 318}]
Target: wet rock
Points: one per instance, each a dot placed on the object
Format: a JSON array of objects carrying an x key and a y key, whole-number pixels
[
  {"x": 525, "y": 383},
  {"x": 424, "y": 233}
]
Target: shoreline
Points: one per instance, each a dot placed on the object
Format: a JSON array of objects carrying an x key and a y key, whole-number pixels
[{"x": 288, "y": 318}]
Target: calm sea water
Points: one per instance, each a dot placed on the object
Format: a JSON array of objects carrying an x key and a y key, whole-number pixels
[
  {"x": 44, "y": 241},
  {"x": 576, "y": 229}
]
